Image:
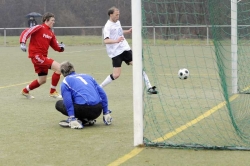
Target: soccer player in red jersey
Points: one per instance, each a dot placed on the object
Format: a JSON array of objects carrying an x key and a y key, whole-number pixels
[{"x": 41, "y": 37}]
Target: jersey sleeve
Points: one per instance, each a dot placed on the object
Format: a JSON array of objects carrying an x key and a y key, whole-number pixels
[
  {"x": 103, "y": 96},
  {"x": 54, "y": 44},
  {"x": 106, "y": 32},
  {"x": 104, "y": 99},
  {"x": 67, "y": 98},
  {"x": 28, "y": 32}
]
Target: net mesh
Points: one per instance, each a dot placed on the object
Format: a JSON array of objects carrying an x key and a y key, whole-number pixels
[{"x": 201, "y": 111}]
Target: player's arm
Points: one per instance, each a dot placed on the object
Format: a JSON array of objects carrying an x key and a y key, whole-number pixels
[
  {"x": 111, "y": 41},
  {"x": 107, "y": 40},
  {"x": 104, "y": 98},
  {"x": 127, "y": 31},
  {"x": 55, "y": 45},
  {"x": 107, "y": 119},
  {"x": 28, "y": 32},
  {"x": 67, "y": 100},
  {"x": 24, "y": 38}
]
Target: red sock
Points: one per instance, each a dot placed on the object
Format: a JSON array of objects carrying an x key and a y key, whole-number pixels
[
  {"x": 54, "y": 81},
  {"x": 31, "y": 86},
  {"x": 25, "y": 90}
]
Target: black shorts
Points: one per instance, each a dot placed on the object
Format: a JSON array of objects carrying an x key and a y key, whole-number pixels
[
  {"x": 89, "y": 112},
  {"x": 126, "y": 56}
]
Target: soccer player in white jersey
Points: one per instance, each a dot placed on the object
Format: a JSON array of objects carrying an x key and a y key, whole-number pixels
[{"x": 118, "y": 48}]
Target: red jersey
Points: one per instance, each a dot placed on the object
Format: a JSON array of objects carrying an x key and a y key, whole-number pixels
[{"x": 41, "y": 37}]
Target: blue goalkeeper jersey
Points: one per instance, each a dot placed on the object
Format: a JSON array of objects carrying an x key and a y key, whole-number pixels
[{"x": 82, "y": 89}]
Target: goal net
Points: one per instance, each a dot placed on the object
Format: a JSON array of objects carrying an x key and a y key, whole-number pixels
[{"x": 202, "y": 111}]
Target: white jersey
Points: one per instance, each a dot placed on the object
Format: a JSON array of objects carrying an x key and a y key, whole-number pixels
[{"x": 113, "y": 30}]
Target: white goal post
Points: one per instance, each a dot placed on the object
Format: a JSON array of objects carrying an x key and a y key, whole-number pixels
[{"x": 137, "y": 71}]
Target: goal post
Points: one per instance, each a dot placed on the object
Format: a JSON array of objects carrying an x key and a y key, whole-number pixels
[{"x": 137, "y": 71}]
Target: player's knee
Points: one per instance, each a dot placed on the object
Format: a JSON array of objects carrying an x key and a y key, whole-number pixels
[
  {"x": 115, "y": 76},
  {"x": 42, "y": 82},
  {"x": 59, "y": 104}
]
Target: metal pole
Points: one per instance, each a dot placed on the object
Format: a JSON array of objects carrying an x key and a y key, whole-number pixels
[
  {"x": 4, "y": 31},
  {"x": 207, "y": 35},
  {"x": 102, "y": 36},
  {"x": 234, "y": 47},
  {"x": 154, "y": 35}
]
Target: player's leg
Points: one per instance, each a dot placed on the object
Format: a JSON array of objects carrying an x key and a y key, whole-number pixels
[
  {"x": 25, "y": 92},
  {"x": 150, "y": 88},
  {"x": 61, "y": 107},
  {"x": 88, "y": 113},
  {"x": 33, "y": 85},
  {"x": 117, "y": 62},
  {"x": 55, "y": 66},
  {"x": 67, "y": 123},
  {"x": 42, "y": 71},
  {"x": 94, "y": 113},
  {"x": 116, "y": 73}
]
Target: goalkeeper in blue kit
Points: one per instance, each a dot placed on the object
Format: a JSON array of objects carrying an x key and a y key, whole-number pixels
[{"x": 83, "y": 99}]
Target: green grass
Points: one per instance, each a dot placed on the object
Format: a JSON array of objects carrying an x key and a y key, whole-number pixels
[
  {"x": 97, "y": 40},
  {"x": 30, "y": 134},
  {"x": 68, "y": 40}
]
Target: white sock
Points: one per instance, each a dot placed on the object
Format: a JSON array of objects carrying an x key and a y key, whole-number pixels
[
  {"x": 106, "y": 81},
  {"x": 53, "y": 87},
  {"x": 147, "y": 82},
  {"x": 28, "y": 88}
]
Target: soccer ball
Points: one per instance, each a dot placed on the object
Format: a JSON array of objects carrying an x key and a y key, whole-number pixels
[{"x": 183, "y": 74}]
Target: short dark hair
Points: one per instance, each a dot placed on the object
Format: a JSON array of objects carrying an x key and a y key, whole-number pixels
[
  {"x": 66, "y": 68},
  {"x": 47, "y": 16},
  {"x": 111, "y": 10}
]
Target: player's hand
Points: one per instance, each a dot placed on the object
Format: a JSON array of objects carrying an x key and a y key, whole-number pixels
[
  {"x": 23, "y": 47},
  {"x": 107, "y": 119},
  {"x": 130, "y": 30},
  {"x": 120, "y": 39},
  {"x": 74, "y": 123},
  {"x": 61, "y": 45}
]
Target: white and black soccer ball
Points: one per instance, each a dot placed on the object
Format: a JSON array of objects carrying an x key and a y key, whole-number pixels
[{"x": 183, "y": 73}]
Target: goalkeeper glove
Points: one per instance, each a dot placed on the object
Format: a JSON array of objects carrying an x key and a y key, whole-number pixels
[
  {"x": 74, "y": 123},
  {"x": 107, "y": 119},
  {"x": 61, "y": 45},
  {"x": 23, "y": 47}
]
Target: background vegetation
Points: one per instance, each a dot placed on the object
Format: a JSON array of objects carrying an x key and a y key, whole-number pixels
[{"x": 94, "y": 13}]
